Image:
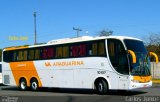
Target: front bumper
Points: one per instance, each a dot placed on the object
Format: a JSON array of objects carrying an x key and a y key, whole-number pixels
[{"x": 134, "y": 85}]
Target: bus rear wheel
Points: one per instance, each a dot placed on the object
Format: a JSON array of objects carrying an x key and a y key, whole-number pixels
[
  {"x": 101, "y": 87},
  {"x": 23, "y": 84},
  {"x": 34, "y": 84}
]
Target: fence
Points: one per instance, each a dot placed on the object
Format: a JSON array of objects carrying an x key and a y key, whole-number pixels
[{"x": 155, "y": 70}]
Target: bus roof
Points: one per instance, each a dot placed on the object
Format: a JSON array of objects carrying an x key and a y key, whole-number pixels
[
  {"x": 87, "y": 38},
  {"x": 71, "y": 40}
]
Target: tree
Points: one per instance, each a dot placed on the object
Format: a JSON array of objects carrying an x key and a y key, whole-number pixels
[
  {"x": 105, "y": 32},
  {"x": 152, "y": 43}
]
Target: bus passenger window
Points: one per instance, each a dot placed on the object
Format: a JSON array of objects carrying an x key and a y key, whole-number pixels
[
  {"x": 74, "y": 51},
  {"x": 101, "y": 49},
  {"x": 44, "y": 53},
  {"x": 20, "y": 55},
  {"x": 25, "y": 55},
  {"x": 111, "y": 49},
  {"x": 50, "y": 53},
  {"x": 14, "y": 56},
  {"x": 82, "y": 50},
  {"x": 59, "y": 53},
  {"x": 65, "y": 51},
  {"x": 31, "y": 54},
  {"x": 37, "y": 54},
  {"x": 94, "y": 48}
]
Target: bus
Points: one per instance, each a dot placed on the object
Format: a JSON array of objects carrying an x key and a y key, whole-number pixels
[
  {"x": 0, "y": 72},
  {"x": 99, "y": 63}
]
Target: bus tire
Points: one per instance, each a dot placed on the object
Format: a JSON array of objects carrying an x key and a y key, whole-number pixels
[
  {"x": 101, "y": 87},
  {"x": 34, "y": 84},
  {"x": 23, "y": 84}
]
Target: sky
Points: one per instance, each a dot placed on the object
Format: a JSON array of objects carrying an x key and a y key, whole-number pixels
[{"x": 56, "y": 18}]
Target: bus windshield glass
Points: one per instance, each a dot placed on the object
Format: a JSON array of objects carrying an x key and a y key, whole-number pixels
[{"x": 142, "y": 66}]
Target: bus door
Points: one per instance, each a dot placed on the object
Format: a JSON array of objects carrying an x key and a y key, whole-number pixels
[{"x": 119, "y": 61}]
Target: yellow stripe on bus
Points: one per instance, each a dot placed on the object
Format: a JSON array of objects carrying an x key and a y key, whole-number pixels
[
  {"x": 142, "y": 79},
  {"x": 16, "y": 48},
  {"x": 26, "y": 70}
]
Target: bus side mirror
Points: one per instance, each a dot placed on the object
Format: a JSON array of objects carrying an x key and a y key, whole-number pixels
[
  {"x": 133, "y": 56},
  {"x": 155, "y": 55}
]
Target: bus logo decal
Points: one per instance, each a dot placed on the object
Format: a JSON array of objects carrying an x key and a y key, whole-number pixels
[
  {"x": 64, "y": 63},
  {"x": 47, "y": 64}
]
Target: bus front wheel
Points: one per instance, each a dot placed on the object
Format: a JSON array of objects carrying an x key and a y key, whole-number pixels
[
  {"x": 101, "y": 87},
  {"x": 23, "y": 84},
  {"x": 34, "y": 84}
]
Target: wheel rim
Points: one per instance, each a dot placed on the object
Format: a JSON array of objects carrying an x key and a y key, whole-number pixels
[
  {"x": 100, "y": 87},
  {"x": 34, "y": 85},
  {"x": 23, "y": 85}
]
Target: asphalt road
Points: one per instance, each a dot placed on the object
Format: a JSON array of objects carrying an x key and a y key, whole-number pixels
[{"x": 13, "y": 94}]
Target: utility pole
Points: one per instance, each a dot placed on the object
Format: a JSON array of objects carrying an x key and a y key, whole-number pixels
[
  {"x": 78, "y": 30},
  {"x": 35, "y": 32}
]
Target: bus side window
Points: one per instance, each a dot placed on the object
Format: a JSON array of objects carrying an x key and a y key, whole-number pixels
[
  {"x": 14, "y": 56},
  {"x": 94, "y": 49},
  {"x": 37, "y": 54},
  {"x": 25, "y": 55},
  {"x": 65, "y": 51},
  {"x": 48, "y": 53},
  {"x": 20, "y": 55},
  {"x": 44, "y": 53},
  {"x": 59, "y": 52},
  {"x": 118, "y": 56},
  {"x": 101, "y": 49},
  {"x": 82, "y": 50},
  {"x": 98, "y": 48},
  {"x": 74, "y": 51},
  {"x": 5, "y": 58},
  {"x": 31, "y": 54}
]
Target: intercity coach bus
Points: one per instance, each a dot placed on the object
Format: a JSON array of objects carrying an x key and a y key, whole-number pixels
[{"x": 100, "y": 63}]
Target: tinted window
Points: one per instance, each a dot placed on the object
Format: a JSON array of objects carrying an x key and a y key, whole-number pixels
[
  {"x": 135, "y": 45},
  {"x": 74, "y": 50},
  {"x": 118, "y": 56},
  {"x": 8, "y": 56},
  {"x": 142, "y": 66}
]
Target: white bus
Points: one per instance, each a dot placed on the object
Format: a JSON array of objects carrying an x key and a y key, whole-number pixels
[
  {"x": 0, "y": 72},
  {"x": 100, "y": 63}
]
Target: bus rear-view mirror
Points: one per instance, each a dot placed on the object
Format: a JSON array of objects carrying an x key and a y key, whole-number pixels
[
  {"x": 133, "y": 56},
  {"x": 155, "y": 56}
]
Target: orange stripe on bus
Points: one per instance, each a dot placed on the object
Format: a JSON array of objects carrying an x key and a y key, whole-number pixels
[{"x": 26, "y": 70}]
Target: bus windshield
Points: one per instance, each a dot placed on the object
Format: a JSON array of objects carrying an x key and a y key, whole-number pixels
[{"x": 142, "y": 66}]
